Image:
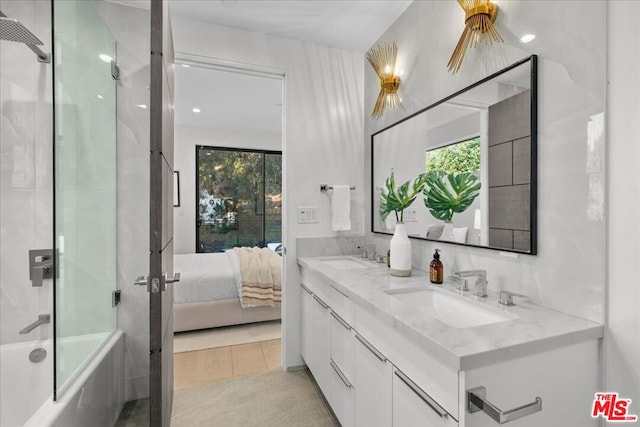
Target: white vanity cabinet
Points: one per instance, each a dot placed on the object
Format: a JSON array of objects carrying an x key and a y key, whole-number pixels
[
  {"x": 373, "y": 377},
  {"x": 315, "y": 338},
  {"x": 412, "y": 406},
  {"x": 376, "y": 370}
]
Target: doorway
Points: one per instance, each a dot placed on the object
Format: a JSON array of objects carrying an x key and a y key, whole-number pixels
[{"x": 228, "y": 151}]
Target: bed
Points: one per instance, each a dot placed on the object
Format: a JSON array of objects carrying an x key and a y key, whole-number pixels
[{"x": 209, "y": 292}]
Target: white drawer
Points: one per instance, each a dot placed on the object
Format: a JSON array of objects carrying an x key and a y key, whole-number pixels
[
  {"x": 342, "y": 397},
  {"x": 342, "y": 305},
  {"x": 431, "y": 375},
  {"x": 342, "y": 345}
]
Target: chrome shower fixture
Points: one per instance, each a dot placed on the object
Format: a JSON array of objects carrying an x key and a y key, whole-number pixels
[{"x": 12, "y": 30}]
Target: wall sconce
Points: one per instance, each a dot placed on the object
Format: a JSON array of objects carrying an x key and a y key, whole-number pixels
[
  {"x": 383, "y": 61},
  {"x": 478, "y": 27}
]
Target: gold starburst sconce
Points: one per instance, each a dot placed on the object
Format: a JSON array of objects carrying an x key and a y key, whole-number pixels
[
  {"x": 478, "y": 28},
  {"x": 383, "y": 61}
]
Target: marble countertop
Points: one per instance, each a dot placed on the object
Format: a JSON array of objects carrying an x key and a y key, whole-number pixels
[{"x": 534, "y": 328}]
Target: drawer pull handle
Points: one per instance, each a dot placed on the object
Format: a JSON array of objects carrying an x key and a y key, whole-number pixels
[
  {"x": 477, "y": 401},
  {"x": 322, "y": 303},
  {"x": 341, "y": 321},
  {"x": 344, "y": 379},
  {"x": 371, "y": 348},
  {"x": 422, "y": 395},
  {"x": 339, "y": 291},
  {"x": 307, "y": 290}
]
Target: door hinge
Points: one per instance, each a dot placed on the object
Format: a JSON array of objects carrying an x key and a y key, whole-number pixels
[
  {"x": 116, "y": 297},
  {"x": 115, "y": 70}
]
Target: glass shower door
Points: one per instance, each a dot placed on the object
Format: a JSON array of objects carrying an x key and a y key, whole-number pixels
[{"x": 85, "y": 185}]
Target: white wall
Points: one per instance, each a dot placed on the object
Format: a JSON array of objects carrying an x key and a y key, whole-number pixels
[
  {"x": 622, "y": 342},
  {"x": 186, "y": 139},
  {"x": 26, "y": 173},
  {"x": 568, "y": 272},
  {"x": 322, "y": 133}
]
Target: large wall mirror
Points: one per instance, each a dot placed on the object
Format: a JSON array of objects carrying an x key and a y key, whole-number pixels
[{"x": 487, "y": 129}]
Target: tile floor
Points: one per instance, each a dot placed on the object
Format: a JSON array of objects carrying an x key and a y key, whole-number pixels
[{"x": 215, "y": 364}]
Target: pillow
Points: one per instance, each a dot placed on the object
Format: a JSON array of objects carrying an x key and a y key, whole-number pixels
[
  {"x": 434, "y": 231},
  {"x": 460, "y": 234}
]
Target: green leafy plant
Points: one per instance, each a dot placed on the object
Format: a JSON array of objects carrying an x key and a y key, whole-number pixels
[
  {"x": 397, "y": 200},
  {"x": 449, "y": 193}
]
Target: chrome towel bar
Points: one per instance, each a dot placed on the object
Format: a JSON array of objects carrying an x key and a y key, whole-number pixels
[
  {"x": 477, "y": 401},
  {"x": 325, "y": 187}
]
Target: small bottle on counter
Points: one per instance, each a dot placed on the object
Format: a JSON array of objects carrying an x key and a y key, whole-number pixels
[
  {"x": 436, "y": 269},
  {"x": 389, "y": 258}
]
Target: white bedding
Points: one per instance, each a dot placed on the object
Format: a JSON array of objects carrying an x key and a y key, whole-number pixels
[{"x": 206, "y": 277}]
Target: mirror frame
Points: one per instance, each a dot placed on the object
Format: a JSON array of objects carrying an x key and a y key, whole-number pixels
[{"x": 533, "y": 59}]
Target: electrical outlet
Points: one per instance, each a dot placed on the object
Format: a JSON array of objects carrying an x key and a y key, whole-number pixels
[
  {"x": 411, "y": 215},
  {"x": 308, "y": 215}
]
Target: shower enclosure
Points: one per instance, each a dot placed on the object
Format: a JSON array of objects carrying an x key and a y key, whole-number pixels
[{"x": 58, "y": 126}]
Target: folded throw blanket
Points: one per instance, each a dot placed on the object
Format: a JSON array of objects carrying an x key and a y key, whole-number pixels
[{"x": 261, "y": 272}]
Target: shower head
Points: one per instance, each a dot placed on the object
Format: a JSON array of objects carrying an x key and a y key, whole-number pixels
[{"x": 12, "y": 30}]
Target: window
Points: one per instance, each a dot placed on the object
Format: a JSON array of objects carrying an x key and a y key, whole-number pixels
[{"x": 239, "y": 198}]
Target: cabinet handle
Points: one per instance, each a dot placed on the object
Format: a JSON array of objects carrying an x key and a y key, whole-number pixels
[
  {"x": 422, "y": 395},
  {"x": 371, "y": 348},
  {"x": 477, "y": 401},
  {"x": 339, "y": 291},
  {"x": 307, "y": 290},
  {"x": 341, "y": 321},
  {"x": 322, "y": 303},
  {"x": 344, "y": 379}
]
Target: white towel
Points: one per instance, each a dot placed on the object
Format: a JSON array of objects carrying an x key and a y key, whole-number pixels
[{"x": 341, "y": 208}]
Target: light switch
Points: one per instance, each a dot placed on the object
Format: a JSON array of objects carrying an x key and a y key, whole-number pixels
[
  {"x": 308, "y": 215},
  {"x": 411, "y": 215}
]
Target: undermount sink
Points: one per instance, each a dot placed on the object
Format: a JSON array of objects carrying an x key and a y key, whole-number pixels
[
  {"x": 449, "y": 309},
  {"x": 345, "y": 263}
]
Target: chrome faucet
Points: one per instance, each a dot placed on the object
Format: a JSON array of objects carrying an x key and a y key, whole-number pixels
[
  {"x": 506, "y": 297},
  {"x": 42, "y": 319},
  {"x": 480, "y": 288}
]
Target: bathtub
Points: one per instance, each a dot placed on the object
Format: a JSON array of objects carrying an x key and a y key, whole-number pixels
[{"x": 93, "y": 396}]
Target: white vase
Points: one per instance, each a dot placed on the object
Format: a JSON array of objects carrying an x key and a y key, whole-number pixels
[
  {"x": 447, "y": 232},
  {"x": 400, "y": 247}
]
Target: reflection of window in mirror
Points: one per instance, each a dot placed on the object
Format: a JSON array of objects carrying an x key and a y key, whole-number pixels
[
  {"x": 462, "y": 156},
  {"x": 459, "y": 157}
]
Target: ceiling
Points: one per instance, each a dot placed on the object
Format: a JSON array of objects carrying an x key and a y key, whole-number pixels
[
  {"x": 346, "y": 24},
  {"x": 230, "y": 100}
]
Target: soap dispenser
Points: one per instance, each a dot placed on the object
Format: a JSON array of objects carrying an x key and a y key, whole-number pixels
[{"x": 436, "y": 270}]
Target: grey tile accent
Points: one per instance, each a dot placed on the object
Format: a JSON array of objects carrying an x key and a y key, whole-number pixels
[
  {"x": 500, "y": 238},
  {"x": 500, "y": 164},
  {"x": 521, "y": 240},
  {"x": 510, "y": 119},
  {"x": 509, "y": 207},
  {"x": 521, "y": 161}
]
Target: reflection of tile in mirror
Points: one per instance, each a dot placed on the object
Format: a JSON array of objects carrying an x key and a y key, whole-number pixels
[
  {"x": 521, "y": 240},
  {"x": 522, "y": 161},
  {"x": 500, "y": 165},
  {"x": 509, "y": 207}
]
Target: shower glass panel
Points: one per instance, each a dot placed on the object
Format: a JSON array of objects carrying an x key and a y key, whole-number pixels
[{"x": 85, "y": 185}]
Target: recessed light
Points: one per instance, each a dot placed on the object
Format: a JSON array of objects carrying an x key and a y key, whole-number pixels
[
  {"x": 195, "y": 110},
  {"x": 143, "y": 106},
  {"x": 185, "y": 65},
  {"x": 527, "y": 38},
  {"x": 99, "y": 96},
  {"x": 105, "y": 58}
]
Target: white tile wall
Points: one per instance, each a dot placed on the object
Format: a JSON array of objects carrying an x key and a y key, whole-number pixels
[
  {"x": 130, "y": 27},
  {"x": 323, "y": 131},
  {"x": 568, "y": 272},
  {"x": 26, "y": 169}
]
